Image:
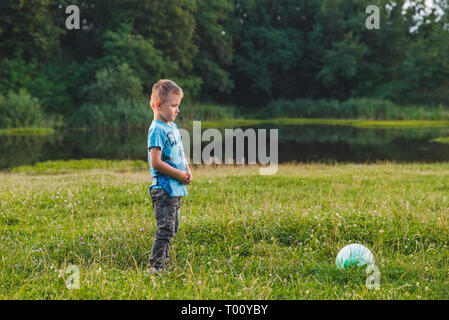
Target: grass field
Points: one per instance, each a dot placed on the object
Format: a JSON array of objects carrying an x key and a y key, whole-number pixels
[{"x": 242, "y": 235}]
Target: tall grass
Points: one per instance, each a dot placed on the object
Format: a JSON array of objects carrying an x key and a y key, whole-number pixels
[
  {"x": 103, "y": 111},
  {"x": 200, "y": 111},
  {"x": 360, "y": 108}
]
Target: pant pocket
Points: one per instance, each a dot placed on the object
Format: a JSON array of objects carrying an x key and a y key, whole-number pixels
[
  {"x": 155, "y": 193},
  {"x": 159, "y": 200},
  {"x": 161, "y": 215}
]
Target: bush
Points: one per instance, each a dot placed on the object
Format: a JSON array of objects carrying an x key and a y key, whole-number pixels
[
  {"x": 115, "y": 100},
  {"x": 20, "y": 110},
  {"x": 114, "y": 85},
  {"x": 122, "y": 114},
  {"x": 356, "y": 108}
]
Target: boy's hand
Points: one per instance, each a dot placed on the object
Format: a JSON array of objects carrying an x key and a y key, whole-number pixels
[
  {"x": 189, "y": 177},
  {"x": 183, "y": 177}
]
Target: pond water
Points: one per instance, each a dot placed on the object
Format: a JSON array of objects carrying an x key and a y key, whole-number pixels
[{"x": 301, "y": 143}]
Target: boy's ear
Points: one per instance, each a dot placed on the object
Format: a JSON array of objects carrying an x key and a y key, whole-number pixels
[{"x": 157, "y": 104}]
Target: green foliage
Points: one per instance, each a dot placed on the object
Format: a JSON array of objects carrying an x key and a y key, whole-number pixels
[
  {"x": 230, "y": 52},
  {"x": 150, "y": 64},
  {"x": 215, "y": 50},
  {"x": 372, "y": 109},
  {"x": 268, "y": 48},
  {"x": 28, "y": 28},
  {"x": 191, "y": 87},
  {"x": 171, "y": 25},
  {"x": 196, "y": 111},
  {"x": 121, "y": 114},
  {"x": 342, "y": 64},
  {"x": 46, "y": 82},
  {"x": 20, "y": 110},
  {"x": 139, "y": 53},
  {"x": 114, "y": 100},
  {"x": 300, "y": 108},
  {"x": 114, "y": 84},
  {"x": 425, "y": 69},
  {"x": 356, "y": 108}
]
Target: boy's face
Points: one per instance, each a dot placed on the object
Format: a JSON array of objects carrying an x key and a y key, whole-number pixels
[{"x": 170, "y": 108}]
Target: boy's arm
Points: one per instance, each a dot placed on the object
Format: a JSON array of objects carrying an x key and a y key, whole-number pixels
[{"x": 164, "y": 168}]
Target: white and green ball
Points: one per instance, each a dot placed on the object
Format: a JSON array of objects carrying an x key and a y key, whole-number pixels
[{"x": 354, "y": 255}]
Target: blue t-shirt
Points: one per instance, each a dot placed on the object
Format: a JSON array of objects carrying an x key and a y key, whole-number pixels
[{"x": 168, "y": 138}]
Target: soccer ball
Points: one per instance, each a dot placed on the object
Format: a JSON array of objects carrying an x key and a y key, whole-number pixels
[{"x": 354, "y": 254}]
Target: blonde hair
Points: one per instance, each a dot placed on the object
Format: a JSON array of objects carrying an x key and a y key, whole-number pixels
[{"x": 162, "y": 89}]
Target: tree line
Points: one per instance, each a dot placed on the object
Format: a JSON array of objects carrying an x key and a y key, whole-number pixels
[{"x": 241, "y": 52}]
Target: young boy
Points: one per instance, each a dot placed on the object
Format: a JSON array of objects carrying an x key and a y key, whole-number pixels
[{"x": 168, "y": 167}]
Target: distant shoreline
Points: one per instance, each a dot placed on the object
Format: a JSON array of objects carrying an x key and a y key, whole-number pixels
[
  {"x": 359, "y": 123},
  {"x": 27, "y": 131}
]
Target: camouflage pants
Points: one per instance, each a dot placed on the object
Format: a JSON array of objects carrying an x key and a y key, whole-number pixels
[{"x": 167, "y": 214}]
